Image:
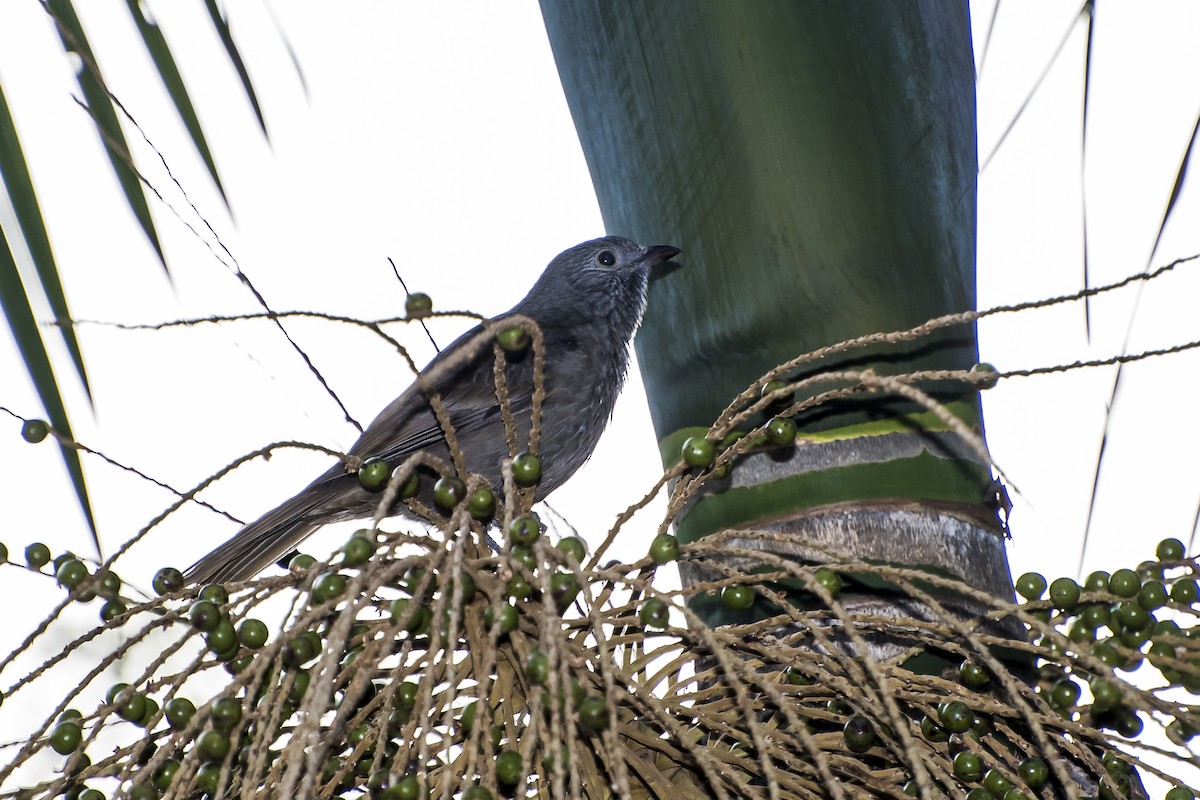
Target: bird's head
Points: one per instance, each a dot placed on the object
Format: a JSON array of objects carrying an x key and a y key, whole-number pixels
[{"x": 601, "y": 279}]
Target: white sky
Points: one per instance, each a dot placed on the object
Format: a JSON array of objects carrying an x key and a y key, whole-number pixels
[{"x": 437, "y": 134}]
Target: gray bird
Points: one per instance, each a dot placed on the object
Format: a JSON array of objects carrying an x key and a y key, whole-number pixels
[{"x": 587, "y": 303}]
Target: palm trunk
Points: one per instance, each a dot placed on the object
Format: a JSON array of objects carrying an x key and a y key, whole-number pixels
[{"x": 816, "y": 162}]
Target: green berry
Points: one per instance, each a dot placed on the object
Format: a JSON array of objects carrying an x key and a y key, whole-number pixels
[
  {"x": 204, "y": 615},
  {"x": 1063, "y": 695},
  {"x": 509, "y": 767},
  {"x": 781, "y": 431},
  {"x": 1114, "y": 765},
  {"x": 109, "y": 584},
  {"x": 373, "y": 474},
  {"x": 518, "y": 588},
  {"x": 572, "y": 546},
  {"x": 593, "y": 714},
  {"x": 63, "y": 558},
  {"x": 162, "y": 778},
  {"x": 797, "y": 677},
  {"x": 167, "y": 580},
  {"x": 298, "y": 651},
  {"x": 537, "y": 668},
  {"x": 467, "y": 720},
  {"x": 968, "y": 767},
  {"x": 329, "y": 586},
  {"x": 859, "y": 734},
  {"x": 300, "y": 686},
  {"x": 1124, "y": 583},
  {"x": 252, "y": 633},
  {"x": 524, "y": 530},
  {"x": 654, "y": 613},
  {"x": 72, "y": 573},
  {"x": 508, "y": 618},
  {"x": 1185, "y": 591},
  {"x": 563, "y": 588},
  {"x": 1064, "y": 593},
  {"x": 985, "y": 375},
  {"x": 698, "y": 452},
  {"x": 664, "y": 548},
  {"x": 411, "y": 486},
  {"x": 239, "y": 664},
  {"x": 772, "y": 386},
  {"x": 179, "y": 712},
  {"x": 212, "y": 745},
  {"x": 1170, "y": 550},
  {"x": 226, "y": 714},
  {"x": 223, "y": 638},
  {"x": 143, "y": 791},
  {"x": 721, "y": 471},
  {"x": 132, "y": 705},
  {"x": 995, "y": 782},
  {"x": 448, "y": 492},
  {"x": 513, "y": 340},
  {"x": 527, "y": 469},
  {"x": 839, "y": 707},
  {"x": 956, "y": 716},
  {"x": 1034, "y": 772},
  {"x": 407, "y": 788},
  {"x": 1107, "y": 654},
  {"x": 1179, "y": 793},
  {"x": 1128, "y": 723},
  {"x": 208, "y": 779},
  {"x": 1105, "y": 695},
  {"x": 301, "y": 563},
  {"x": 37, "y": 555},
  {"x": 358, "y": 550},
  {"x": 973, "y": 675},
  {"x": 34, "y": 430},
  {"x": 1079, "y": 632},
  {"x": 932, "y": 731},
  {"x": 738, "y": 598},
  {"x": 1152, "y": 595},
  {"x": 418, "y": 305},
  {"x": 523, "y": 556},
  {"x": 827, "y": 578},
  {"x": 482, "y": 504},
  {"x": 1031, "y": 585},
  {"x": 1160, "y": 652},
  {"x": 1097, "y": 581},
  {"x": 65, "y": 737},
  {"x": 1133, "y": 616},
  {"x": 1094, "y": 615},
  {"x": 215, "y": 593},
  {"x": 112, "y": 610},
  {"x": 476, "y": 793}
]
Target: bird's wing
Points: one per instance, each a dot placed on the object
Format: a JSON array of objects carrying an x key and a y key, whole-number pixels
[{"x": 408, "y": 425}]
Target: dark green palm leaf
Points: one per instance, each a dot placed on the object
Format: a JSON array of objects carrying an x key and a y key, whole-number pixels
[
  {"x": 100, "y": 106},
  {"x": 227, "y": 39},
  {"x": 156, "y": 45},
  {"x": 15, "y": 302},
  {"x": 15, "y": 174}
]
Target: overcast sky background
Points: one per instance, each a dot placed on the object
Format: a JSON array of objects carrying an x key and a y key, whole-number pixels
[{"x": 437, "y": 134}]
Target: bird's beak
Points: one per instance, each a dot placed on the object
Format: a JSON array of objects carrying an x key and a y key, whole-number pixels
[{"x": 657, "y": 254}]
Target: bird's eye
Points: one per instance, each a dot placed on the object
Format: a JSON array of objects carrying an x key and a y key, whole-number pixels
[{"x": 605, "y": 258}]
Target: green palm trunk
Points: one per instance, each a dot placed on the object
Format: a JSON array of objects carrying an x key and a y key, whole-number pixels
[{"x": 817, "y": 164}]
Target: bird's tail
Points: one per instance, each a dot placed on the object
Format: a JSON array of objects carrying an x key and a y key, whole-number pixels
[{"x": 264, "y": 541}]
